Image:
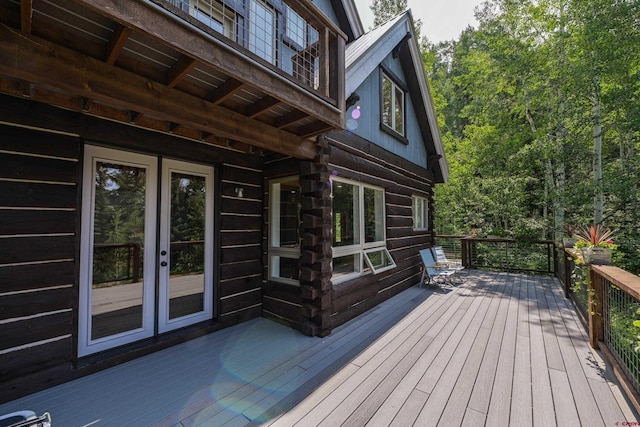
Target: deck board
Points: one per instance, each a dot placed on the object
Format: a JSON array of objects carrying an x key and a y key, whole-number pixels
[{"x": 496, "y": 349}]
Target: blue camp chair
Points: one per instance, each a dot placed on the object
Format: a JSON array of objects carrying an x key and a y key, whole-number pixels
[
  {"x": 442, "y": 261},
  {"x": 430, "y": 271}
]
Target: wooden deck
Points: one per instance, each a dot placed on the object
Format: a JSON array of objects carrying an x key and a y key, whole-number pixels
[{"x": 498, "y": 349}]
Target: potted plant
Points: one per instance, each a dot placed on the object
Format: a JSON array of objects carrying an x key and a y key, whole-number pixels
[
  {"x": 570, "y": 240},
  {"x": 596, "y": 244}
]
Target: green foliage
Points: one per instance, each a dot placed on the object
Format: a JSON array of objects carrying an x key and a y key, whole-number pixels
[{"x": 523, "y": 102}]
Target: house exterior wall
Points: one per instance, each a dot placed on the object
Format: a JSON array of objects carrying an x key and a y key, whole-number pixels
[
  {"x": 40, "y": 182},
  {"x": 368, "y": 125},
  {"x": 360, "y": 160}
]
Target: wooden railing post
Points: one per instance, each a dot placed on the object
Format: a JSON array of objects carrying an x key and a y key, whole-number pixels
[
  {"x": 596, "y": 325},
  {"x": 464, "y": 252},
  {"x": 567, "y": 272}
]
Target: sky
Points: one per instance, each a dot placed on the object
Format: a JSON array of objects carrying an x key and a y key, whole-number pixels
[{"x": 441, "y": 19}]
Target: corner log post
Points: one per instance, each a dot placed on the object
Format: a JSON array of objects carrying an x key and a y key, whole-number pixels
[{"x": 315, "y": 277}]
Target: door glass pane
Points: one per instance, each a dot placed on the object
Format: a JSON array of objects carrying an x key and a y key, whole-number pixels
[
  {"x": 187, "y": 233},
  {"x": 118, "y": 246}
]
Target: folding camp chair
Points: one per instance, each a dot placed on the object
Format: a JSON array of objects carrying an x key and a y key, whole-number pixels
[
  {"x": 430, "y": 272},
  {"x": 442, "y": 261}
]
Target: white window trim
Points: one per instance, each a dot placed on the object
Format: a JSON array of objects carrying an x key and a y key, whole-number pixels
[
  {"x": 361, "y": 248},
  {"x": 394, "y": 88},
  {"x": 425, "y": 212},
  {"x": 274, "y": 234},
  {"x": 375, "y": 269}
]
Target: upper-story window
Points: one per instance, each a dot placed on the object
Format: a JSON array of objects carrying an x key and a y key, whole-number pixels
[
  {"x": 262, "y": 31},
  {"x": 393, "y": 103},
  {"x": 270, "y": 29}
]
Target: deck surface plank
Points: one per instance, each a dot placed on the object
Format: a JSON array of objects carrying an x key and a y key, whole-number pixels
[{"x": 495, "y": 349}]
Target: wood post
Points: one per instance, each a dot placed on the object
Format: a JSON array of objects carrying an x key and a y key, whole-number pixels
[
  {"x": 596, "y": 325},
  {"x": 315, "y": 278}
]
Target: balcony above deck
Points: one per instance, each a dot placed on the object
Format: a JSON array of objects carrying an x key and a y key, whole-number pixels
[{"x": 255, "y": 75}]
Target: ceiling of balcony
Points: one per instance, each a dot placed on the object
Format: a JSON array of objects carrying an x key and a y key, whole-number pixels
[{"x": 75, "y": 55}]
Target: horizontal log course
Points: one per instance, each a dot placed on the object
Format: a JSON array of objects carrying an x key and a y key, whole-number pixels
[
  {"x": 19, "y": 363},
  {"x": 35, "y": 329},
  {"x": 34, "y": 221},
  {"x": 14, "y": 166},
  {"x": 40, "y": 248},
  {"x": 242, "y": 253},
  {"x": 282, "y": 310},
  {"x": 239, "y": 285},
  {"x": 241, "y": 269},
  {"x": 37, "y": 195},
  {"x": 36, "y": 276},
  {"x": 315, "y": 188},
  {"x": 30, "y": 141},
  {"x": 33, "y": 303},
  {"x": 240, "y": 301}
]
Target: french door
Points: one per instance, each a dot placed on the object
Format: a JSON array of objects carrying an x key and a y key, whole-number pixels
[{"x": 146, "y": 248}]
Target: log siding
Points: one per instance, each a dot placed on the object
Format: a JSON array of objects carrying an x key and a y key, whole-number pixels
[
  {"x": 359, "y": 160},
  {"x": 40, "y": 154}
]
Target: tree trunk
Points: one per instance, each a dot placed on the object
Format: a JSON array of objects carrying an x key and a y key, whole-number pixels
[{"x": 597, "y": 155}]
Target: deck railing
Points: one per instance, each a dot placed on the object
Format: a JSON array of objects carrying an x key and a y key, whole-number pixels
[
  {"x": 609, "y": 297},
  {"x": 292, "y": 36},
  {"x": 501, "y": 254}
]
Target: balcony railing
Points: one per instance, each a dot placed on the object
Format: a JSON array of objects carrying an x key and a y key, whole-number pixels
[
  {"x": 609, "y": 299},
  {"x": 293, "y": 36},
  {"x": 501, "y": 254}
]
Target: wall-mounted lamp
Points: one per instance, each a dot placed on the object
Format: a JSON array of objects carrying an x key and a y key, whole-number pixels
[{"x": 239, "y": 192}]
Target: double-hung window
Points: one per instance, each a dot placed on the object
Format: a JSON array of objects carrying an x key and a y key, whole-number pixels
[
  {"x": 393, "y": 103},
  {"x": 284, "y": 235},
  {"x": 359, "y": 243},
  {"x": 420, "y": 209}
]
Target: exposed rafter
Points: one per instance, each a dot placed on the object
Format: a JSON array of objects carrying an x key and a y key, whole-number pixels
[
  {"x": 225, "y": 90},
  {"x": 261, "y": 106},
  {"x": 26, "y": 57},
  {"x": 120, "y": 36},
  {"x": 180, "y": 69},
  {"x": 26, "y": 15}
]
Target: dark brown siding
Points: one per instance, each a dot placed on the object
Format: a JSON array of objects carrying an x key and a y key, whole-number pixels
[
  {"x": 39, "y": 186},
  {"x": 39, "y": 241},
  {"x": 359, "y": 160}
]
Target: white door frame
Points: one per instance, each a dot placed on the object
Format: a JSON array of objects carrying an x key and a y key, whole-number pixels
[
  {"x": 164, "y": 323},
  {"x": 92, "y": 155}
]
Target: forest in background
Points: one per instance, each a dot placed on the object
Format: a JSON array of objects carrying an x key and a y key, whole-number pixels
[{"x": 539, "y": 111}]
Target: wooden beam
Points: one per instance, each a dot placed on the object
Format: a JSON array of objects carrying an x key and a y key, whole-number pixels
[
  {"x": 214, "y": 50},
  {"x": 225, "y": 90},
  {"x": 262, "y": 105},
  {"x": 26, "y": 15},
  {"x": 180, "y": 69},
  {"x": 313, "y": 129},
  {"x": 290, "y": 118},
  {"x": 120, "y": 36},
  {"x": 42, "y": 62}
]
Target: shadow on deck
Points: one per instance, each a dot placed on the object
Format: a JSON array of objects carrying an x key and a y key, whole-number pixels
[{"x": 499, "y": 349}]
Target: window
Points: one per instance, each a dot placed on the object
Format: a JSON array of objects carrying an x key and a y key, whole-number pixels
[
  {"x": 420, "y": 210},
  {"x": 262, "y": 31},
  {"x": 392, "y": 105},
  {"x": 284, "y": 236},
  {"x": 359, "y": 243},
  {"x": 215, "y": 15}
]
